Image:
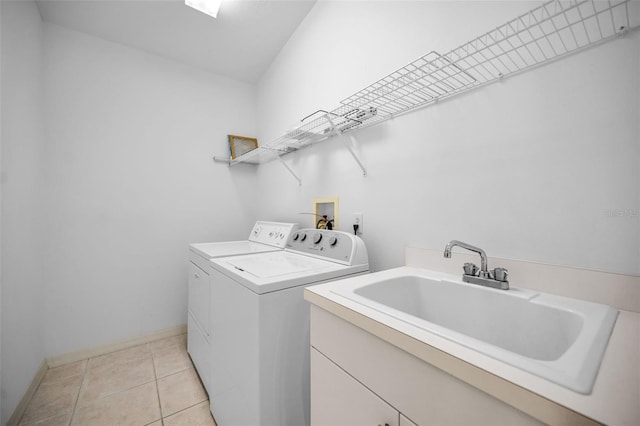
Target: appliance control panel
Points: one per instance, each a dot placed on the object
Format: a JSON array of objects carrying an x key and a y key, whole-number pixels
[
  {"x": 272, "y": 233},
  {"x": 330, "y": 245}
]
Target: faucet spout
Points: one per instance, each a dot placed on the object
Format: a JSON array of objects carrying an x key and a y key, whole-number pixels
[
  {"x": 497, "y": 278},
  {"x": 484, "y": 271}
]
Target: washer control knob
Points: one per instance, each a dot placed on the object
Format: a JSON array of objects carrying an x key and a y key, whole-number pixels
[
  {"x": 333, "y": 240},
  {"x": 303, "y": 237},
  {"x": 296, "y": 236},
  {"x": 317, "y": 238},
  {"x": 257, "y": 230}
]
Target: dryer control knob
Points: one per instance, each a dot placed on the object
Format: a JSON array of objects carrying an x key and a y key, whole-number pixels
[
  {"x": 317, "y": 238},
  {"x": 333, "y": 240},
  {"x": 296, "y": 236},
  {"x": 303, "y": 237}
]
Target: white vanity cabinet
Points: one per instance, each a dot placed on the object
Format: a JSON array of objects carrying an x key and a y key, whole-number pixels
[
  {"x": 355, "y": 374},
  {"x": 338, "y": 399}
]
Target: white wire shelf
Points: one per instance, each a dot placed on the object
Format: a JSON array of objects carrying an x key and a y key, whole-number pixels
[
  {"x": 549, "y": 32},
  {"x": 552, "y": 31},
  {"x": 314, "y": 128}
]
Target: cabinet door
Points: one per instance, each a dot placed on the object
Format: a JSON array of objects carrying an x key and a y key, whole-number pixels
[
  {"x": 199, "y": 296},
  {"x": 338, "y": 399}
]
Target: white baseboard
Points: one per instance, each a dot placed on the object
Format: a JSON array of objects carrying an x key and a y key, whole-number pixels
[
  {"x": 33, "y": 387},
  {"x": 79, "y": 355}
]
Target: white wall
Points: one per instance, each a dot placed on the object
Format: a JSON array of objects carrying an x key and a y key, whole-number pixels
[
  {"x": 107, "y": 175},
  {"x": 526, "y": 168},
  {"x": 129, "y": 183},
  {"x": 122, "y": 179},
  {"x": 22, "y": 143}
]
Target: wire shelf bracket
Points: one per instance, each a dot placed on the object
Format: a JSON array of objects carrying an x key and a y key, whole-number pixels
[
  {"x": 348, "y": 144},
  {"x": 290, "y": 170},
  {"x": 226, "y": 160}
]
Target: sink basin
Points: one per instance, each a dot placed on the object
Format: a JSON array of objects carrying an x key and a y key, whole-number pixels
[{"x": 556, "y": 338}]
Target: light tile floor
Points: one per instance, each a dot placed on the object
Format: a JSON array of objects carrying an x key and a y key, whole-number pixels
[{"x": 151, "y": 384}]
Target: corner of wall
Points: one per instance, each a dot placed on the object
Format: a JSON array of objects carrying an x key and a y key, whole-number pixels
[{"x": 22, "y": 138}]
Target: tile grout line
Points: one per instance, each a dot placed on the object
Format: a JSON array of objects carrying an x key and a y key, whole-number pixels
[
  {"x": 201, "y": 384},
  {"x": 190, "y": 367},
  {"x": 155, "y": 375},
  {"x": 75, "y": 405},
  {"x": 188, "y": 408},
  {"x": 85, "y": 378}
]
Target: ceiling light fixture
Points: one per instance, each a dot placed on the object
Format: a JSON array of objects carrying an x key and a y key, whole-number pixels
[{"x": 210, "y": 7}]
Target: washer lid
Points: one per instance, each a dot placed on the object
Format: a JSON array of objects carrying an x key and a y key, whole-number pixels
[
  {"x": 280, "y": 270},
  {"x": 266, "y": 267},
  {"x": 229, "y": 248}
]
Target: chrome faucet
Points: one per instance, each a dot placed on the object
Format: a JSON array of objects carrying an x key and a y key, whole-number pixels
[
  {"x": 484, "y": 272},
  {"x": 496, "y": 280}
]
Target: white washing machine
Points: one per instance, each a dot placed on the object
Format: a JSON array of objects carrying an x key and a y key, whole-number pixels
[
  {"x": 264, "y": 237},
  {"x": 260, "y": 326}
]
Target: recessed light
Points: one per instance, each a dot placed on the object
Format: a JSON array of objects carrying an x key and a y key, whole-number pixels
[{"x": 210, "y": 7}]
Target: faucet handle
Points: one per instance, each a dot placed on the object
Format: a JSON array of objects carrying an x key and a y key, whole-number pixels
[
  {"x": 470, "y": 269},
  {"x": 500, "y": 274}
]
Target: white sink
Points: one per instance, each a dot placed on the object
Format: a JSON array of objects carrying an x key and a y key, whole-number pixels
[{"x": 557, "y": 338}]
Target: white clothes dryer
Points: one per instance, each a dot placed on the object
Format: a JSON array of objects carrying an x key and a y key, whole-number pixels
[
  {"x": 264, "y": 237},
  {"x": 260, "y": 326}
]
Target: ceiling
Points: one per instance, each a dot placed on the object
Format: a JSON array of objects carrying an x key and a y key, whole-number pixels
[{"x": 241, "y": 43}]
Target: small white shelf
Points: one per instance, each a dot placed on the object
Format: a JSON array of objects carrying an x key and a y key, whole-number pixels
[
  {"x": 317, "y": 127},
  {"x": 552, "y": 31}
]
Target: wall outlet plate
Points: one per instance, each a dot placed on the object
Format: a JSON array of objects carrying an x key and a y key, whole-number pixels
[{"x": 358, "y": 220}]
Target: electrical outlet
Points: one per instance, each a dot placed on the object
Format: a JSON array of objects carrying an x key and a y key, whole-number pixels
[{"x": 358, "y": 220}]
